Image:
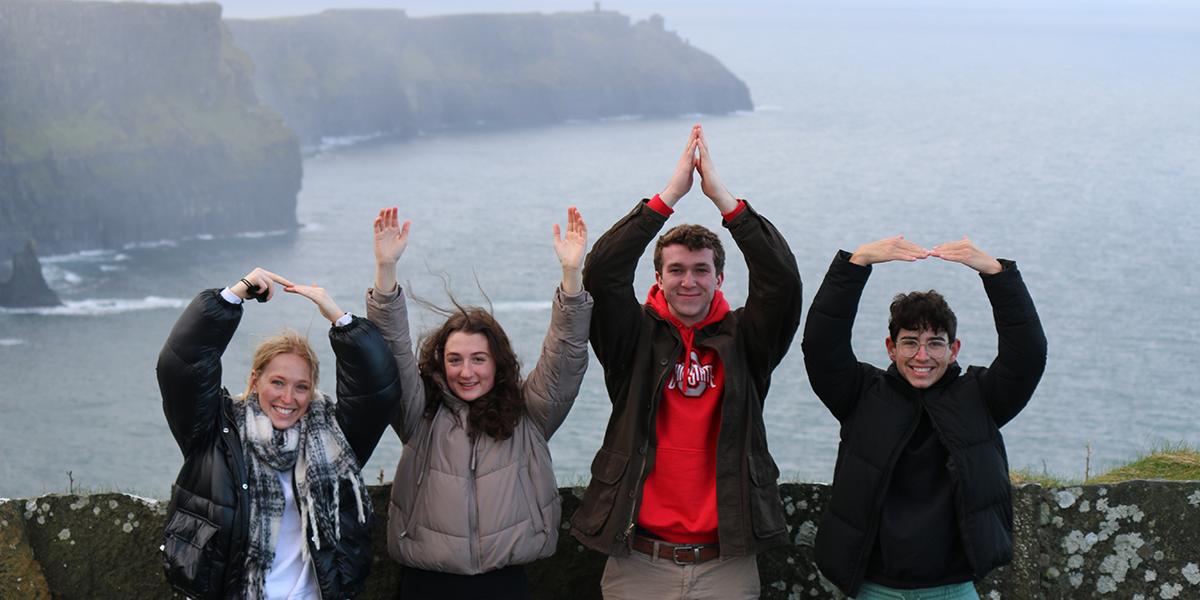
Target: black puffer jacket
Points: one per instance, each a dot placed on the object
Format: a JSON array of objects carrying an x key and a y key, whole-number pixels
[
  {"x": 208, "y": 517},
  {"x": 879, "y": 411}
]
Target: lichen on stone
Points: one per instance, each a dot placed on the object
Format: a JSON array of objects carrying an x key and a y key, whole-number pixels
[
  {"x": 1191, "y": 572},
  {"x": 1065, "y": 498},
  {"x": 1124, "y": 556},
  {"x": 1169, "y": 590}
]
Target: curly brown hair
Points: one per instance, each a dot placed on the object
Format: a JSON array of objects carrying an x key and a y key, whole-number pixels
[
  {"x": 917, "y": 311},
  {"x": 495, "y": 413},
  {"x": 693, "y": 237}
]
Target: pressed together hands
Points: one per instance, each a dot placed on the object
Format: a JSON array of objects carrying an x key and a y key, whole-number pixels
[
  {"x": 696, "y": 159},
  {"x": 962, "y": 251},
  {"x": 391, "y": 238}
]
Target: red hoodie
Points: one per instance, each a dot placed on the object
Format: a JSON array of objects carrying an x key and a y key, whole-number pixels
[{"x": 679, "y": 498}]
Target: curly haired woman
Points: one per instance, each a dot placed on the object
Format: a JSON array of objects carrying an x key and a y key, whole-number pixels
[{"x": 474, "y": 497}]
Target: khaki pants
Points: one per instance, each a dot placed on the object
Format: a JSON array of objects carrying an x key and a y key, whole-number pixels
[{"x": 642, "y": 577}]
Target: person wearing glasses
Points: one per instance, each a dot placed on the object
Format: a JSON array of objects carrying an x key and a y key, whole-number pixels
[{"x": 922, "y": 503}]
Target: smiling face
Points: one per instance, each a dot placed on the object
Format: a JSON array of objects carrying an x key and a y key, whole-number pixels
[
  {"x": 688, "y": 279},
  {"x": 469, "y": 366},
  {"x": 285, "y": 389},
  {"x": 922, "y": 357}
]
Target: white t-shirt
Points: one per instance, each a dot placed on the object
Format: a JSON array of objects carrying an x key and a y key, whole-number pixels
[{"x": 291, "y": 576}]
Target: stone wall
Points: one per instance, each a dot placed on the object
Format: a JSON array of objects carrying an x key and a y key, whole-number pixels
[{"x": 1138, "y": 539}]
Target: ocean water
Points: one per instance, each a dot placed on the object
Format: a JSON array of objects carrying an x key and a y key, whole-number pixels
[{"x": 1064, "y": 138}]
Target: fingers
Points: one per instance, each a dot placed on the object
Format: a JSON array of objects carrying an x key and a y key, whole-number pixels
[
  {"x": 558, "y": 234},
  {"x": 278, "y": 279},
  {"x": 577, "y": 222},
  {"x": 902, "y": 249},
  {"x": 704, "y": 158},
  {"x": 691, "y": 141}
]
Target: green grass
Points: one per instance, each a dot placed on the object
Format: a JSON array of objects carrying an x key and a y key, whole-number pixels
[
  {"x": 1176, "y": 462},
  {"x": 1172, "y": 462}
]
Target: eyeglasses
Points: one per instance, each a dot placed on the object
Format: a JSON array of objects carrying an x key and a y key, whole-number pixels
[{"x": 935, "y": 348}]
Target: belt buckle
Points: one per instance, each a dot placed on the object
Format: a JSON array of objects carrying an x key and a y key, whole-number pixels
[{"x": 694, "y": 549}]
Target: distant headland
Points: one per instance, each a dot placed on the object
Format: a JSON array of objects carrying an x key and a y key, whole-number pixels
[{"x": 123, "y": 123}]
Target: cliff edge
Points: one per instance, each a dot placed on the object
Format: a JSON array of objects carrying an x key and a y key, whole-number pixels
[
  {"x": 372, "y": 72},
  {"x": 129, "y": 122}
]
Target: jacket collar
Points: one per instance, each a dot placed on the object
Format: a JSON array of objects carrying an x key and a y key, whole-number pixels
[{"x": 900, "y": 384}]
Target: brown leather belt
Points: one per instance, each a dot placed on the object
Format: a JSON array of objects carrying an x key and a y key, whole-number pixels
[{"x": 681, "y": 554}]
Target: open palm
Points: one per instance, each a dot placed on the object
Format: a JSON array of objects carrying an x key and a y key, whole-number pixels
[
  {"x": 391, "y": 238},
  {"x": 571, "y": 247}
]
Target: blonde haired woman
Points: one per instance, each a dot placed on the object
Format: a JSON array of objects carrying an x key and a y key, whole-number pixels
[{"x": 270, "y": 502}]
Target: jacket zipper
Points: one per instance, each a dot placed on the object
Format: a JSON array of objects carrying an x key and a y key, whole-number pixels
[
  {"x": 474, "y": 513},
  {"x": 627, "y": 534}
]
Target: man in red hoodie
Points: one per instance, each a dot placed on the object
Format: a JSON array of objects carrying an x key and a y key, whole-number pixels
[{"x": 683, "y": 492}]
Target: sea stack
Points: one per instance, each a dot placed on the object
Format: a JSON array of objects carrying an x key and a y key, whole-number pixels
[{"x": 27, "y": 288}]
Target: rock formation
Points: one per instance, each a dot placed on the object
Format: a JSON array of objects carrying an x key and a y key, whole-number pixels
[{"x": 27, "y": 287}]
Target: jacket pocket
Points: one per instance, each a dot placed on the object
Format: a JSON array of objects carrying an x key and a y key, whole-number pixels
[
  {"x": 766, "y": 509},
  {"x": 608, "y": 469},
  {"x": 190, "y": 561}
]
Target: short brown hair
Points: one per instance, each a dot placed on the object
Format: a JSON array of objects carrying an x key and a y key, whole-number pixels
[
  {"x": 287, "y": 342},
  {"x": 694, "y": 237}
]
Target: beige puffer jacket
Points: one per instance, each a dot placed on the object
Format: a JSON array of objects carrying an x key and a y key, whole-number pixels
[{"x": 466, "y": 507}]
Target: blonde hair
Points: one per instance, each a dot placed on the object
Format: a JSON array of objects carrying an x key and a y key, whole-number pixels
[{"x": 287, "y": 342}]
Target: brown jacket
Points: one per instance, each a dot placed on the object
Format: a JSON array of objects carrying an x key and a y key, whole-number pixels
[
  {"x": 637, "y": 349},
  {"x": 467, "y": 507}
]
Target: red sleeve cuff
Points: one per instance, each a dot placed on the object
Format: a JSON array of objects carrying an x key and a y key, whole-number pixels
[
  {"x": 736, "y": 211},
  {"x": 657, "y": 205}
]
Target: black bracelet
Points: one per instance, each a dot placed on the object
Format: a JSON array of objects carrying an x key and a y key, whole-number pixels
[{"x": 249, "y": 286}]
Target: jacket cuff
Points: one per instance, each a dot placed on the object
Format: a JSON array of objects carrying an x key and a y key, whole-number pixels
[
  {"x": 381, "y": 299},
  {"x": 657, "y": 205}
]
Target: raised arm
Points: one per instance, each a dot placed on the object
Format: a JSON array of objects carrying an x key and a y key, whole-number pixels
[
  {"x": 1010, "y": 381},
  {"x": 610, "y": 269},
  {"x": 387, "y": 308},
  {"x": 682, "y": 177},
  {"x": 189, "y": 364},
  {"x": 710, "y": 182},
  {"x": 552, "y": 386},
  {"x": 833, "y": 370},
  {"x": 772, "y": 312},
  {"x": 368, "y": 384},
  {"x": 570, "y": 250}
]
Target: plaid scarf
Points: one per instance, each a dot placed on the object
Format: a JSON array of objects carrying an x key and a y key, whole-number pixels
[{"x": 316, "y": 451}]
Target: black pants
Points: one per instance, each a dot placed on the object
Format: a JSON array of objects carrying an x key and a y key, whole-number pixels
[{"x": 509, "y": 583}]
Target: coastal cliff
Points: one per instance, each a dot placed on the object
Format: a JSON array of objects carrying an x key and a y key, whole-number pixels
[
  {"x": 1126, "y": 540},
  {"x": 124, "y": 122},
  {"x": 380, "y": 72}
]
